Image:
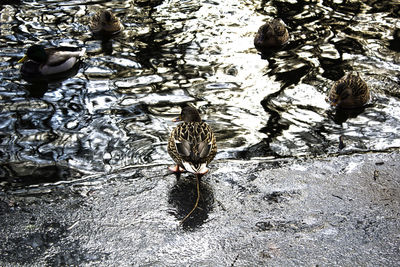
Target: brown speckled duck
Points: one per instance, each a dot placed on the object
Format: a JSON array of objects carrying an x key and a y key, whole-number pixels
[
  {"x": 271, "y": 35},
  {"x": 350, "y": 91},
  {"x": 192, "y": 143},
  {"x": 105, "y": 22}
]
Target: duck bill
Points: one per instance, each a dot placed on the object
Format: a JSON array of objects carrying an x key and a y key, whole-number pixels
[
  {"x": 334, "y": 103},
  {"x": 176, "y": 119},
  {"x": 23, "y": 59}
]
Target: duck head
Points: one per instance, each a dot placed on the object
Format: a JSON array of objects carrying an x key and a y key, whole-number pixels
[
  {"x": 35, "y": 53},
  {"x": 189, "y": 114}
]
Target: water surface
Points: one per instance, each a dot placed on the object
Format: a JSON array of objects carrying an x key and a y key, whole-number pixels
[{"x": 116, "y": 111}]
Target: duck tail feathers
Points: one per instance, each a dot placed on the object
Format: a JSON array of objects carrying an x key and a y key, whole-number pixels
[{"x": 200, "y": 168}]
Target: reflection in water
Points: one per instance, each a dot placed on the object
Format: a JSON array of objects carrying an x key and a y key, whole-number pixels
[
  {"x": 342, "y": 115},
  {"x": 37, "y": 89},
  {"x": 116, "y": 110},
  {"x": 395, "y": 42},
  {"x": 106, "y": 46}
]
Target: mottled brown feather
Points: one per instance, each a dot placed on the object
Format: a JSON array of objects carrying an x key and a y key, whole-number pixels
[
  {"x": 105, "y": 21},
  {"x": 195, "y": 136},
  {"x": 350, "y": 91},
  {"x": 271, "y": 35}
]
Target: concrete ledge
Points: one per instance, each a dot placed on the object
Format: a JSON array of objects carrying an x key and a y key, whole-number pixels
[{"x": 341, "y": 211}]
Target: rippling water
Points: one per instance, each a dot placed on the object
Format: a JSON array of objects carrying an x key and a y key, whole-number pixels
[{"x": 117, "y": 110}]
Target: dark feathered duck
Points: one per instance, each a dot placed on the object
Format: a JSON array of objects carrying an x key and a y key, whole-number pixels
[
  {"x": 40, "y": 61},
  {"x": 105, "y": 22},
  {"x": 271, "y": 35},
  {"x": 350, "y": 91},
  {"x": 192, "y": 143}
]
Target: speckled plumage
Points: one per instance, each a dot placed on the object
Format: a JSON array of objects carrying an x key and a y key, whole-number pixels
[
  {"x": 105, "y": 21},
  {"x": 192, "y": 144},
  {"x": 350, "y": 91},
  {"x": 271, "y": 35}
]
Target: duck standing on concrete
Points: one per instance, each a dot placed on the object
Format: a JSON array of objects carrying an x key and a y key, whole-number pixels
[{"x": 192, "y": 144}]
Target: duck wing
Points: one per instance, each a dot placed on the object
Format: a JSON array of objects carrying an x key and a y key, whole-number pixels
[
  {"x": 59, "y": 55},
  {"x": 194, "y": 141}
]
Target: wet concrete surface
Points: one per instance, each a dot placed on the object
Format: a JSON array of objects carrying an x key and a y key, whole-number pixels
[{"x": 337, "y": 211}]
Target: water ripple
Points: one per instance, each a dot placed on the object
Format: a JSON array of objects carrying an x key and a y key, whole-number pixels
[{"x": 117, "y": 110}]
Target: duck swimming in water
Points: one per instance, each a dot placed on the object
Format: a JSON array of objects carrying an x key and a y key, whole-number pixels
[
  {"x": 192, "y": 144},
  {"x": 105, "y": 22},
  {"x": 40, "y": 61},
  {"x": 349, "y": 92},
  {"x": 271, "y": 35}
]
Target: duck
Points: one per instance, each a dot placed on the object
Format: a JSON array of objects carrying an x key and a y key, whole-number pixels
[
  {"x": 349, "y": 92},
  {"x": 105, "y": 22},
  {"x": 192, "y": 144},
  {"x": 41, "y": 61},
  {"x": 271, "y": 35}
]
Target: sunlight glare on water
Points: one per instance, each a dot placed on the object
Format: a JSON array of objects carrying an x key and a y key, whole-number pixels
[{"x": 117, "y": 110}]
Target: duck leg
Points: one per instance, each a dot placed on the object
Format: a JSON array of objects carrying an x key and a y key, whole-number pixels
[
  {"x": 176, "y": 168},
  {"x": 203, "y": 172}
]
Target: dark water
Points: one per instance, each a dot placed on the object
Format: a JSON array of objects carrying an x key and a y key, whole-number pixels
[{"x": 117, "y": 110}]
